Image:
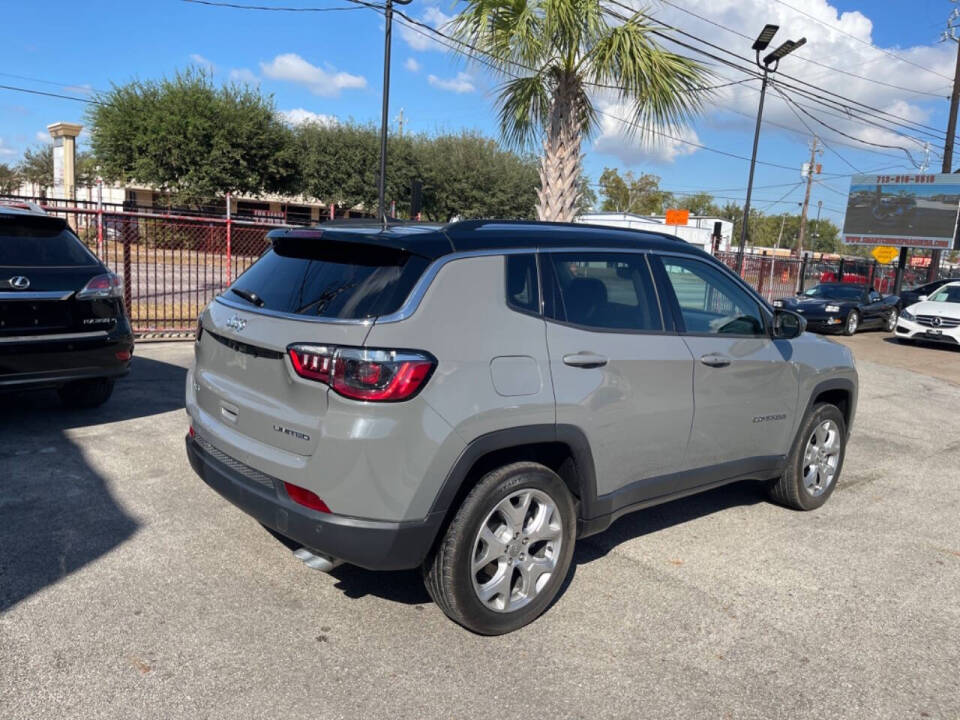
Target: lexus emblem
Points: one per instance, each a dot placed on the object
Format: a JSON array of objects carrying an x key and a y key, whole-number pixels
[
  {"x": 236, "y": 323},
  {"x": 20, "y": 282},
  {"x": 936, "y": 321}
]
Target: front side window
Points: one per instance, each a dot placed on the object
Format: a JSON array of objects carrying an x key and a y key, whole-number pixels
[
  {"x": 606, "y": 291},
  {"x": 710, "y": 302}
]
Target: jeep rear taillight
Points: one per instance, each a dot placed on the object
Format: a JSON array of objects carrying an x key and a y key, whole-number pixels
[
  {"x": 312, "y": 361},
  {"x": 364, "y": 374}
]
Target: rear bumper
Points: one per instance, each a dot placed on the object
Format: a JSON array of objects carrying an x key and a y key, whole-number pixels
[
  {"x": 33, "y": 362},
  {"x": 371, "y": 544}
]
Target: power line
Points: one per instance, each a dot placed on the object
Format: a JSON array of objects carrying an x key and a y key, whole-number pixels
[
  {"x": 864, "y": 42},
  {"x": 749, "y": 70},
  {"x": 274, "y": 8},
  {"x": 50, "y": 94},
  {"x": 801, "y": 57},
  {"x": 804, "y": 122}
]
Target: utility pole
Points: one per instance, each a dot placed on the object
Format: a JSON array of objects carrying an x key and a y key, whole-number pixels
[
  {"x": 811, "y": 169},
  {"x": 949, "y": 34},
  {"x": 399, "y": 120},
  {"x": 385, "y": 110},
  {"x": 769, "y": 65}
]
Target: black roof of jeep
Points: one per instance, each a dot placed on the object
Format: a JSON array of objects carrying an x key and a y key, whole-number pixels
[{"x": 435, "y": 240}]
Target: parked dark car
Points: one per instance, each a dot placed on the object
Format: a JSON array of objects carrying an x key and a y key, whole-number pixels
[
  {"x": 62, "y": 319},
  {"x": 844, "y": 307},
  {"x": 913, "y": 295}
]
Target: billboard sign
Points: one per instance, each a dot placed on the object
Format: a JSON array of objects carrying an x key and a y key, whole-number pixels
[{"x": 903, "y": 210}]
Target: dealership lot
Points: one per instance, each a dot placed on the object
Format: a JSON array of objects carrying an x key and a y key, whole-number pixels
[{"x": 129, "y": 589}]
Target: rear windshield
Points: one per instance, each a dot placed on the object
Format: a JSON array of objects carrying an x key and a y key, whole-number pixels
[
  {"x": 346, "y": 284},
  {"x": 40, "y": 243}
]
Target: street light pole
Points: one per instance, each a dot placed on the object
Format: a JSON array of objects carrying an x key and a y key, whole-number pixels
[
  {"x": 385, "y": 111},
  {"x": 769, "y": 65}
]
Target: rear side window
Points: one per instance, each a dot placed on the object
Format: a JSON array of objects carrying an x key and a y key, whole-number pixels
[
  {"x": 606, "y": 291},
  {"x": 40, "y": 243},
  {"x": 523, "y": 292},
  {"x": 349, "y": 283}
]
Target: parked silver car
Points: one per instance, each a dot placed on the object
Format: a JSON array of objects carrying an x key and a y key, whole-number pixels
[{"x": 472, "y": 398}]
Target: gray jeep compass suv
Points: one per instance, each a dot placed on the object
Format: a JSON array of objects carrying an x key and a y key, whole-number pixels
[{"x": 472, "y": 398}]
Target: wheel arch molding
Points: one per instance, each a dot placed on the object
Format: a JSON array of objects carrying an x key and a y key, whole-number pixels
[{"x": 563, "y": 448}]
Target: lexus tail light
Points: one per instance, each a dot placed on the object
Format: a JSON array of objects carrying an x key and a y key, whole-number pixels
[
  {"x": 364, "y": 374},
  {"x": 107, "y": 285}
]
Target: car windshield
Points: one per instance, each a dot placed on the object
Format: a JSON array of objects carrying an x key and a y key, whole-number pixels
[
  {"x": 835, "y": 292},
  {"x": 947, "y": 294}
]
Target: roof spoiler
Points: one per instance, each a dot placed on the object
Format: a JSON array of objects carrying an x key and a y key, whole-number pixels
[{"x": 354, "y": 239}]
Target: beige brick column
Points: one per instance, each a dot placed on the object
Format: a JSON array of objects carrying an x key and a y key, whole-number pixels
[{"x": 65, "y": 158}]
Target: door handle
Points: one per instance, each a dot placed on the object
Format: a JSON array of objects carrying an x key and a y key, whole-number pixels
[
  {"x": 584, "y": 360},
  {"x": 715, "y": 360}
]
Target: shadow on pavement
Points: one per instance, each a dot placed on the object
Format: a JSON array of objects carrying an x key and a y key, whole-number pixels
[
  {"x": 931, "y": 345},
  {"x": 407, "y": 586},
  {"x": 57, "y": 512}
]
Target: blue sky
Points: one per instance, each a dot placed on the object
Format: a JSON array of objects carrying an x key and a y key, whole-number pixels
[{"x": 331, "y": 64}]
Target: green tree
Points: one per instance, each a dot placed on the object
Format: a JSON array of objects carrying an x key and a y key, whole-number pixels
[
  {"x": 199, "y": 141},
  {"x": 36, "y": 167},
  {"x": 627, "y": 193},
  {"x": 552, "y": 54},
  {"x": 464, "y": 175},
  {"x": 698, "y": 204},
  {"x": 9, "y": 180}
]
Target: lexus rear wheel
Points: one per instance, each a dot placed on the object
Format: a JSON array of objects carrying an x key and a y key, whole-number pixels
[{"x": 507, "y": 551}]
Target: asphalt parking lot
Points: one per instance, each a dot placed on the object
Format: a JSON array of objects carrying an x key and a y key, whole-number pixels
[{"x": 129, "y": 589}]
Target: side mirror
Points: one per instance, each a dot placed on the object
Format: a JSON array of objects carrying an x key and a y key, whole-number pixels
[
  {"x": 787, "y": 324},
  {"x": 921, "y": 298}
]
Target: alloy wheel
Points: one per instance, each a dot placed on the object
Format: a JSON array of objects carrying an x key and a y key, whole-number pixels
[
  {"x": 892, "y": 320},
  {"x": 516, "y": 550},
  {"x": 821, "y": 458}
]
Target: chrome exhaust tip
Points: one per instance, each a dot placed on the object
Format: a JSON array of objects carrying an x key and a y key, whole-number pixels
[{"x": 323, "y": 563}]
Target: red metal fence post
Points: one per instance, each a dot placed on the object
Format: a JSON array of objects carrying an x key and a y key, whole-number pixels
[
  {"x": 229, "y": 280},
  {"x": 100, "y": 218}
]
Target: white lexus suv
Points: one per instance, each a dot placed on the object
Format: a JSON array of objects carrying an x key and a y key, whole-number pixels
[{"x": 937, "y": 318}]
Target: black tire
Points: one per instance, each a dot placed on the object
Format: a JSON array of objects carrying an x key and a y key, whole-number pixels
[
  {"x": 852, "y": 323},
  {"x": 447, "y": 573},
  {"x": 892, "y": 318},
  {"x": 86, "y": 393},
  {"x": 789, "y": 490}
]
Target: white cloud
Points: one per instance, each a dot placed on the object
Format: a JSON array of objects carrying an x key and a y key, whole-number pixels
[
  {"x": 244, "y": 76},
  {"x": 420, "y": 38},
  {"x": 43, "y": 137},
  {"x": 634, "y": 148},
  {"x": 841, "y": 40},
  {"x": 301, "y": 116},
  {"x": 85, "y": 89},
  {"x": 6, "y": 151},
  {"x": 462, "y": 83},
  {"x": 200, "y": 60},
  {"x": 324, "y": 82},
  {"x": 412, "y": 65},
  {"x": 847, "y": 44}
]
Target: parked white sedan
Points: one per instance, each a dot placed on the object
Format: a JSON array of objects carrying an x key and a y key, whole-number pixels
[{"x": 937, "y": 318}]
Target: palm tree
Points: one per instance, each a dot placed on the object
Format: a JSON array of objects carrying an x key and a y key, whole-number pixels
[{"x": 558, "y": 56}]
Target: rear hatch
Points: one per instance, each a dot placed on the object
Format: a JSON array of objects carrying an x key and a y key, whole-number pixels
[
  {"x": 307, "y": 290},
  {"x": 43, "y": 266}
]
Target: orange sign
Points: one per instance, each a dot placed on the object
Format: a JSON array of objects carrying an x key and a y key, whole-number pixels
[{"x": 678, "y": 217}]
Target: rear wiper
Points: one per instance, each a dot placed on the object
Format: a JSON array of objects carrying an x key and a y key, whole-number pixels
[{"x": 249, "y": 296}]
